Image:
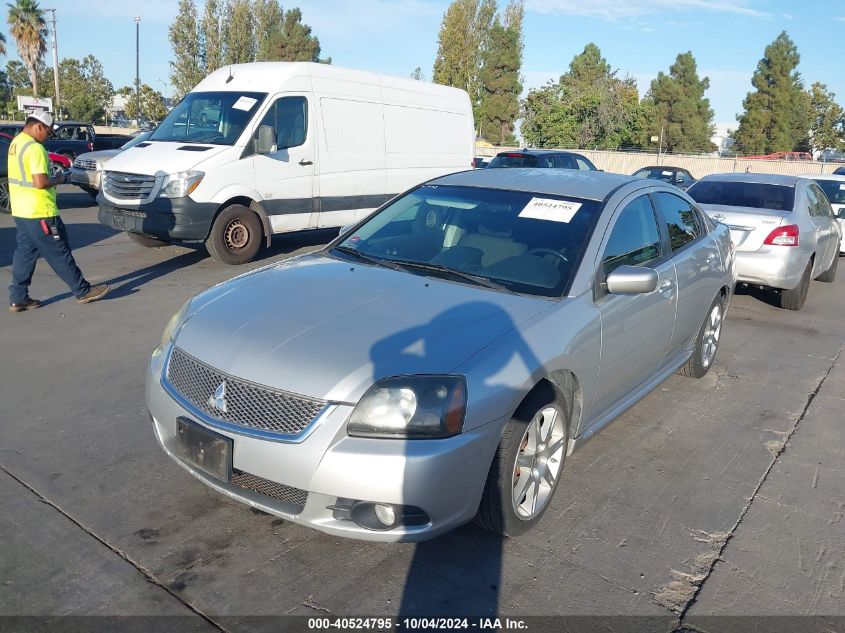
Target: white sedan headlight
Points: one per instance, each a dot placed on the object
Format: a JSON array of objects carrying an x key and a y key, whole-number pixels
[
  {"x": 181, "y": 184},
  {"x": 411, "y": 407}
]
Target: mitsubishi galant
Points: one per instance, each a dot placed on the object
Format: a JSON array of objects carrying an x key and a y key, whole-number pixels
[{"x": 439, "y": 360}]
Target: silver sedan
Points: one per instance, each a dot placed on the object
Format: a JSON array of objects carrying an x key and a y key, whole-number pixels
[
  {"x": 439, "y": 360},
  {"x": 783, "y": 228}
]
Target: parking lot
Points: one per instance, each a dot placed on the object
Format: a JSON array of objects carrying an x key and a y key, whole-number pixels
[{"x": 716, "y": 497}]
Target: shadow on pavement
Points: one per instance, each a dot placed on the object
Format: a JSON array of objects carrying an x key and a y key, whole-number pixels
[
  {"x": 80, "y": 235},
  {"x": 764, "y": 295}
]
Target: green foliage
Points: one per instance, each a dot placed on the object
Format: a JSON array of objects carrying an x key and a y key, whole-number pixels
[
  {"x": 186, "y": 70},
  {"x": 294, "y": 42},
  {"x": 239, "y": 32},
  {"x": 499, "y": 82},
  {"x": 778, "y": 111},
  {"x": 268, "y": 22},
  {"x": 418, "y": 74},
  {"x": 152, "y": 103},
  {"x": 86, "y": 93},
  {"x": 211, "y": 36},
  {"x": 588, "y": 107},
  {"x": 827, "y": 126},
  {"x": 681, "y": 109},
  {"x": 26, "y": 22}
]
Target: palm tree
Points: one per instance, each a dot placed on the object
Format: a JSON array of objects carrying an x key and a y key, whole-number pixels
[
  {"x": 26, "y": 22},
  {"x": 2, "y": 44}
]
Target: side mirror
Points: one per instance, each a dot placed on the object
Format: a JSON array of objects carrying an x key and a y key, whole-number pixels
[
  {"x": 266, "y": 140},
  {"x": 631, "y": 280},
  {"x": 345, "y": 229},
  {"x": 841, "y": 213}
]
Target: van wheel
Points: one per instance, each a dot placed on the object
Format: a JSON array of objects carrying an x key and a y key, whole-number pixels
[
  {"x": 794, "y": 299},
  {"x": 830, "y": 274},
  {"x": 145, "y": 240},
  {"x": 5, "y": 206},
  {"x": 235, "y": 236},
  {"x": 527, "y": 465}
]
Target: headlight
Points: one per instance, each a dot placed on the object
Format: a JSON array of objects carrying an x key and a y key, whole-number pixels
[
  {"x": 411, "y": 407},
  {"x": 181, "y": 184},
  {"x": 173, "y": 325}
]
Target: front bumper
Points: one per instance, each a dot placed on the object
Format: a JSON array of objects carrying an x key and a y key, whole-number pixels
[
  {"x": 445, "y": 478},
  {"x": 164, "y": 218},
  {"x": 773, "y": 266},
  {"x": 85, "y": 178}
]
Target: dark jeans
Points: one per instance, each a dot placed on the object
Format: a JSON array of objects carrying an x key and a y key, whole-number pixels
[{"x": 32, "y": 244}]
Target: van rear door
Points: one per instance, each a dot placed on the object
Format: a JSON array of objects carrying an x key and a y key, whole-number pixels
[{"x": 285, "y": 177}]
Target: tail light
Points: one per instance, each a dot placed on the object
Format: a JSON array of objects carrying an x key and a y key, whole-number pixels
[
  {"x": 783, "y": 236},
  {"x": 90, "y": 146}
]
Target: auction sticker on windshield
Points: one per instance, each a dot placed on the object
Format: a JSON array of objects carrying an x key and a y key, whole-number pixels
[
  {"x": 551, "y": 210},
  {"x": 244, "y": 103}
]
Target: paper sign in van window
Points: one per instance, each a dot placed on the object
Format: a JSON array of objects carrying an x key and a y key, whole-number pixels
[
  {"x": 665, "y": 173},
  {"x": 841, "y": 187},
  {"x": 550, "y": 210},
  {"x": 244, "y": 103}
]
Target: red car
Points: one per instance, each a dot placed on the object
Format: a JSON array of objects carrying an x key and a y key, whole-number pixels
[{"x": 57, "y": 161}]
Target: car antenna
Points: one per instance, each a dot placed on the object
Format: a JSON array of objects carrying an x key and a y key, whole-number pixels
[{"x": 230, "y": 77}]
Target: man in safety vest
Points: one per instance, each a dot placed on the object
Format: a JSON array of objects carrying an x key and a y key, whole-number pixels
[{"x": 40, "y": 230}]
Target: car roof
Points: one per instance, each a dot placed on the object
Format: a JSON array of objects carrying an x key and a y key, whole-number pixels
[
  {"x": 833, "y": 177},
  {"x": 536, "y": 152},
  {"x": 666, "y": 167},
  {"x": 763, "y": 179},
  {"x": 589, "y": 185}
]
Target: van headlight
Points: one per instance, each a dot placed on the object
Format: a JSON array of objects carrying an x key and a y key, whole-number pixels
[
  {"x": 180, "y": 185},
  {"x": 411, "y": 407},
  {"x": 172, "y": 327}
]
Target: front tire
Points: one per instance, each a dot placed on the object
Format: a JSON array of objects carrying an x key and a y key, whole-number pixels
[
  {"x": 527, "y": 465},
  {"x": 5, "y": 205},
  {"x": 794, "y": 299},
  {"x": 707, "y": 342},
  {"x": 145, "y": 240},
  {"x": 235, "y": 236}
]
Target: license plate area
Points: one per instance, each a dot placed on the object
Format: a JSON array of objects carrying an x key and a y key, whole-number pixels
[{"x": 208, "y": 451}]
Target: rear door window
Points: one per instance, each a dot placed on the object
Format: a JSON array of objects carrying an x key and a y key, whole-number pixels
[{"x": 681, "y": 219}]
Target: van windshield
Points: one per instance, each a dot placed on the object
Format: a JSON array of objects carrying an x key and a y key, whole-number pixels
[{"x": 213, "y": 118}]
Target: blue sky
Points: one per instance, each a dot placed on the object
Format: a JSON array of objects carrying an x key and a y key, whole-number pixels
[{"x": 639, "y": 37}]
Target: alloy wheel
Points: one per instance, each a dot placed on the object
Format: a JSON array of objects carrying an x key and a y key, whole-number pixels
[
  {"x": 710, "y": 338},
  {"x": 538, "y": 462}
]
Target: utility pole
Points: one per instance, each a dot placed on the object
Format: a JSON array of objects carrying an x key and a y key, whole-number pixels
[
  {"x": 138, "y": 64},
  {"x": 660, "y": 147},
  {"x": 55, "y": 59}
]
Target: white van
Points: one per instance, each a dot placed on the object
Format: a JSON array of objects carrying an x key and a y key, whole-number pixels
[{"x": 263, "y": 148}]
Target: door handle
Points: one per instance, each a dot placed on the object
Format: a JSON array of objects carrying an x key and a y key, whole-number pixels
[
  {"x": 666, "y": 287},
  {"x": 304, "y": 162}
]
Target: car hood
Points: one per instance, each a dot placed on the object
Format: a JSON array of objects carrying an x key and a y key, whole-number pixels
[
  {"x": 100, "y": 156},
  {"x": 160, "y": 157},
  {"x": 328, "y": 329}
]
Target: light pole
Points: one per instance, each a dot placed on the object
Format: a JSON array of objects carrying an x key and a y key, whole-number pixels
[
  {"x": 55, "y": 59},
  {"x": 166, "y": 87},
  {"x": 138, "y": 64}
]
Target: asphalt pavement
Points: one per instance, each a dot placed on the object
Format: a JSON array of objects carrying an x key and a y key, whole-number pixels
[{"x": 715, "y": 497}]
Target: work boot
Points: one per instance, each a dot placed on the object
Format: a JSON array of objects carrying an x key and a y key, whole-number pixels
[
  {"x": 95, "y": 293},
  {"x": 29, "y": 304}
]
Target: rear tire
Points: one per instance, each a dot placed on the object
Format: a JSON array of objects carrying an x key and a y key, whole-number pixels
[
  {"x": 5, "y": 205},
  {"x": 830, "y": 274},
  {"x": 707, "y": 342},
  {"x": 235, "y": 236},
  {"x": 146, "y": 241},
  {"x": 794, "y": 299},
  {"x": 527, "y": 465}
]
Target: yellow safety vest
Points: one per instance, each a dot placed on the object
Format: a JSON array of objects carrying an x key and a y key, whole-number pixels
[{"x": 27, "y": 157}]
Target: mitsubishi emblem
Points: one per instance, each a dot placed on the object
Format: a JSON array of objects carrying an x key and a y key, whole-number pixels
[{"x": 218, "y": 399}]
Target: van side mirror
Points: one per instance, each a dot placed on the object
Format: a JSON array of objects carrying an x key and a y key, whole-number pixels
[
  {"x": 841, "y": 213},
  {"x": 266, "y": 141},
  {"x": 345, "y": 228},
  {"x": 631, "y": 280}
]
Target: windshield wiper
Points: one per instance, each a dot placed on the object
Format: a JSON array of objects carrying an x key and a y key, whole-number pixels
[
  {"x": 376, "y": 261},
  {"x": 478, "y": 280}
]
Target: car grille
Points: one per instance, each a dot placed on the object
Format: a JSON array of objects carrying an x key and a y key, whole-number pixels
[
  {"x": 85, "y": 163},
  {"x": 247, "y": 404},
  {"x": 281, "y": 492},
  {"x": 122, "y": 186}
]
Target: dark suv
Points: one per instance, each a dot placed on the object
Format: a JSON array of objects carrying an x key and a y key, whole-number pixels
[{"x": 548, "y": 158}]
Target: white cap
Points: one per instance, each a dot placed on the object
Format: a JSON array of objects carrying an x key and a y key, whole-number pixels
[{"x": 42, "y": 116}]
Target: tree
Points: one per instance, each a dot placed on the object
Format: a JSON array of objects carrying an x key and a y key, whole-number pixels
[
  {"x": 268, "y": 22},
  {"x": 418, "y": 74},
  {"x": 239, "y": 32},
  {"x": 152, "y": 103},
  {"x": 86, "y": 93},
  {"x": 211, "y": 38},
  {"x": 777, "y": 113},
  {"x": 681, "y": 109},
  {"x": 588, "y": 107},
  {"x": 294, "y": 42},
  {"x": 827, "y": 125},
  {"x": 26, "y": 22},
  {"x": 499, "y": 81},
  {"x": 463, "y": 39},
  {"x": 185, "y": 69}
]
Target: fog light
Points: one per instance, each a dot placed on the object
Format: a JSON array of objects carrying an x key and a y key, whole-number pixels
[{"x": 385, "y": 514}]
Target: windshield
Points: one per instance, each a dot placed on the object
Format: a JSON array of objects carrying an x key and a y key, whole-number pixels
[
  {"x": 513, "y": 160},
  {"x": 138, "y": 139},
  {"x": 665, "y": 175},
  {"x": 522, "y": 242},
  {"x": 834, "y": 190},
  {"x": 743, "y": 194},
  {"x": 213, "y": 118}
]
